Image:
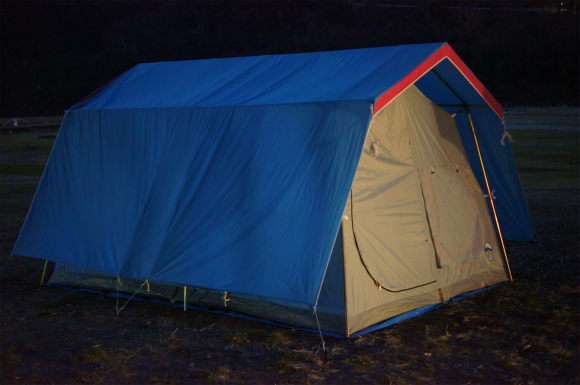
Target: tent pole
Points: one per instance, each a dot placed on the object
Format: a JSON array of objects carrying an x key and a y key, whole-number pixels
[
  {"x": 347, "y": 329},
  {"x": 44, "y": 272},
  {"x": 489, "y": 193}
]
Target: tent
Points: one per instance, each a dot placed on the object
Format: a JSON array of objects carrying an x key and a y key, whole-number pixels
[{"x": 341, "y": 191}]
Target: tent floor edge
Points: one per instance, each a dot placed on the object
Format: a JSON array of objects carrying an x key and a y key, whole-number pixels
[
  {"x": 420, "y": 311},
  {"x": 201, "y": 308},
  {"x": 282, "y": 313}
]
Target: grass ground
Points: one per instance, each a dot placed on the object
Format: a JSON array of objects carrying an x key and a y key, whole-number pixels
[
  {"x": 547, "y": 158},
  {"x": 524, "y": 332}
]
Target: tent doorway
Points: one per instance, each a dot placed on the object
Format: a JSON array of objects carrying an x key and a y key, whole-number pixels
[{"x": 416, "y": 206}]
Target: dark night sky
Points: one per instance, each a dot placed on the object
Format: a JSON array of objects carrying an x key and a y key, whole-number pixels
[{"x": 55, "y": 52}]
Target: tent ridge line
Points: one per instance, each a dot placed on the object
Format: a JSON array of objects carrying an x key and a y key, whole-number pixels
[
  {"x": 493, "y": 103},
  {"x": 445, "y": 52},
  {"x": 400, "y": 87}
]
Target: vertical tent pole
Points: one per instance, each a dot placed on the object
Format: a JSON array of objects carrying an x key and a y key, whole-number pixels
[
  {"x": 347, "y": 330},
  {"x": 489, "y": 193},
  {"x": 44, "y": 272}
]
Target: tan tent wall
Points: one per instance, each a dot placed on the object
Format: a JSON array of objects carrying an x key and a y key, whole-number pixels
[{"x": 417, "y": 220}]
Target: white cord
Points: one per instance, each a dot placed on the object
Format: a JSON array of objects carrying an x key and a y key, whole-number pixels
[
  {"x": 319, "y": 331},
  {"x": 130, "y": 298}
]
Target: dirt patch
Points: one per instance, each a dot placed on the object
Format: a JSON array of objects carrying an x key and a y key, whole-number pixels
[{"x": 524, "y": 332}]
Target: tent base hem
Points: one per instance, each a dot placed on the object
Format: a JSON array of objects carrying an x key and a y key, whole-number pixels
[
  {"x": 234, "y": 313},
  {"x": 293, "y": 315},
  {"x": 420, "y": 311}
]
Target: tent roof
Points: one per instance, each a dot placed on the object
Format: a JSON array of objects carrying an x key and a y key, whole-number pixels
[{"x": 376, "y": 75}]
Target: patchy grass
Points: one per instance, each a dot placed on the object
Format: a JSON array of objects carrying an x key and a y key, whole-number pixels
[
  {"x": 94, "y": 354},
  {"x": 22, "y": 169},
  {"x": 278, "y": 337},
  {"x": 28, "y": 142},
  {"x": 221, "y": 374},
  {"x": 542, "y": 116},
  {"x": 10, "y": 356},
  {"x": 547, "y": 159},
  {"x": 236, "y": 339}
]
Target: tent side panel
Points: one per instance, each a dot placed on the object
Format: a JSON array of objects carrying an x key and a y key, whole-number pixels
[
  {"x": 331, "y": 299},
  {"x": 331, "y": 302},
  {"x": 511, "y": 204},
  {"x": 243, "y": 199}
]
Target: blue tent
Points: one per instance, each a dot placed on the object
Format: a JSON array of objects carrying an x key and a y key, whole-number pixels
[{"x": 237, "y": 177}]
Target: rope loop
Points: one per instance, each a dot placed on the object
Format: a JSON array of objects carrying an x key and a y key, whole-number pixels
[
  {"x": 490, "y": 195},
  {"x": 506, "y": 134}
]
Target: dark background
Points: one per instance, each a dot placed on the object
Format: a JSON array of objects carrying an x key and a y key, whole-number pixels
[{"x": 53, "y": 53}]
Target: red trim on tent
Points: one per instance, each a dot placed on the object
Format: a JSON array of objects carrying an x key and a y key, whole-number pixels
[{"x": 445, "y": 52}]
